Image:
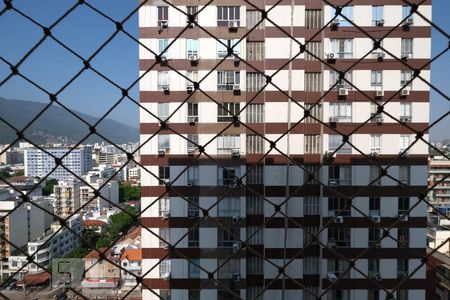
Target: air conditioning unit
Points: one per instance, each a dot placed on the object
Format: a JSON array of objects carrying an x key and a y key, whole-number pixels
[
  {"x": 165, "y": 215},
  {"x": 339, "y": 220},
  {"x": 332, "y": 244},
  {"x": 408, "y": 22},
  {"x": 333, "y": 183},
  {"x": 405, "y": 55},
  {"x": 377, "y": 245},
  {"x": 376, "y": 276},
  {"x": 331, "y": 58},
  {"x": 236, "y": 87},
  {"x": 192, "y": 214},
  {"x": 376, "y": 219},
  {"x": 379, "y": 93},
  {"x": 164, "y": 25},
  {"x": 403, "y": 217},
  {"x": 373, "y": 154},
  {"x": 236, "y": 247},
  {"x": 190, "y": 152},
  {"x": 404, "y": 92},
  {"x": 232, "y": 25},
  {"x": 335, "y": 22},
  {"x": 331, "y": 277},
  {"x": 165, "y": 88},
  {"x": 378, "y": 119},
  {"x": 193, "y": 57},
  {"x": 343, "y": 92},
  {"x": 405, "y": 119},
  {"x": 190, "y": 183},
  {"x": 161, "y": 152},
  {"x": 380, "y": 22},
  {"x": 167, "y": 276},
  {"x": 403, "y": 275},
  {"x": 235, "y": 153},
  {"x": 381, "y": 55},
  {"x": 192, "y": 119},
  {"x": 334, "y": 119},
  {"x": 166, "y": 246},
  {"x": 236, "y": 219},
  {"x": 236, "y": 277},
  {"x": 189, "y": 88}
]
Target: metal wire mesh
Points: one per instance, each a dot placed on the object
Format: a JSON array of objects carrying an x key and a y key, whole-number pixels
[{"x": 239, "y": 182}]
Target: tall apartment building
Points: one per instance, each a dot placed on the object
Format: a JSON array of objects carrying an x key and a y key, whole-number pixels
[
  {"x": 38, "y": 163},
  {"x": 440, "y": 194},
  {"x": 109, "y": 191},
  {"x": 67, "y": 198},
  {"x": 251, "y": 212}
]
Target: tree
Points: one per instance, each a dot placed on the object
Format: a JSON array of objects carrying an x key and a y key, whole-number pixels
[
  {"x": 118, "y": 224},
  {"x": 48, "y": 188},
  {"x": 78, "y": 252},
  {"x": 129, "y": 193},
  {"x": 5, "y": 172}
]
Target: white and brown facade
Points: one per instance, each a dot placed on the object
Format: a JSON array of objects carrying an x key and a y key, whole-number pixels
[{"x": 238, "y": 150}]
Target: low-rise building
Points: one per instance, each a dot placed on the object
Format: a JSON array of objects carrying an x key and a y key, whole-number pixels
[
  {"x": 131, "y": 262},
  {"x": 55, "y": 243},
  {"x": 100, "y": 273},
  {"x": 109, "y": 195}
]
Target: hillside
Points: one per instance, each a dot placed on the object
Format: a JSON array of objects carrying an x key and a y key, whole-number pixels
[{"x": 56, "y": 124}]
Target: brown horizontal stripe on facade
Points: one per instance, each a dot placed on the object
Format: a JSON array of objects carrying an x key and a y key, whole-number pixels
[
  {"x": 271, "y": 64},
  {"x": 375, "y": 253},
  {"x": 278, "y": 159},
  {"x": 363, "y": 222},
  {"x": 280, "y": 191},
  {"x": 222, "y": 32},
  {"x": 278, "y": 96},
  {"x": 365, "y": 284},
  {"x": 281, "y": 128},
  {"x": 191, "y": 283}
]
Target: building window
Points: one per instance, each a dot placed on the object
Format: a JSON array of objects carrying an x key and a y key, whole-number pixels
[
  {"x": 227, "y": 295},
  {"x": 374, "y": 175},
  {"x": 255, "y": 81},
  {"x": 193, "y": 269},
  {"x": 339, "y": 237},
  {"x": 255, "y": 113},
  {"x": 225, "y": 14},
  {"x": 407, "y": 48},
  {"x": 403, "y": 206},
  {"x": 347, "y": 11},
  {"x": 402, "y": 294},
  {"x": 194, "y": 294},
  {"x": 163, "y": 80},
  {"x": 192, "y": 77},
  {"x": 229, "y": 207},
  {"x": 227, "y": 110},
  {"x": 311, "y": 266},
  {"x": 192, "y": 47},
  {"x": 374, "y": 206},
  {"x": 313, "y": 50},
  {"x": 404, "y": 174},
  {"x": 164, "y": 142},
  {"x": 311, "y": 205},
  {"x": 255, "y": 265},
  {"x": 164, "y": 234},
  {"x": 255, "y": 144},
  {"x": 312, "y": 143},
  {"x": 375, "y": 143},
  {"x": 339, "y": 175},
  {"x": 376, "y": 78},
  {"x": 163, "y": 49},
  {"x": 193, "y": 175},
  {"x": 194, "y": 237},
  {"x": 228, "y": 176},
  {"x": 192, "y": 112},
  {"x": 311, "y": 292},
  {"x": 226, "y": 238},
  {"x": 315, "y": 110},
  {"x": 163, "y": 14},
  {"x": 374, "y": 267},
  {"x": 405, "y": 110},
  {"x": 223, "y": 45},
  {"x": 311, "y": 170},
  {"x": 340, "y": 112},
  {"x": 227, "y": 143},
  {"x": 255, "y": 51},
  {"x": 255, "y": 205},
  {"x": 164, "y": 174},
  {"x": 405, "y": 141},
  {"x": 402, "y": 268},
  {"x": 192, "y": 11},
  {"x": 163, "y": 206},
  {"x": 165, "y": 294},
  {"x": 406, "y": 10},
  {"x": 309, "y": 235},
  {"x": 192, "y": 141},
  {"x": 253, "y": 19},
  {"x": 255, "y": 235},
  {"x": 340, "y": 267},
  {"x": 335, "y": 141},
  {"x": 228, "y": 267},
  {"x": 313, "y": 19},
  {"x": 339, "y": 207},
  {"x": 193, "y": 209},
  {"x": 403, "y": 237},
  {"x": 227, "y": 79},
  {"x": 313, "y": 82},
  {"x": 164, "y": 268},
  {"x": 342, "y": 48},
  {"x": 336, "y": 83},
  {"x": 374, "y": 236},
  {"x": 405, "y": 78},
  {"x": 255, "y": 174},
  {"x": 377, "y": 15}
]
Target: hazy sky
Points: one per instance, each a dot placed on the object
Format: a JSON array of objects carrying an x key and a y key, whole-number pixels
[{"x": 84, "y": 31}]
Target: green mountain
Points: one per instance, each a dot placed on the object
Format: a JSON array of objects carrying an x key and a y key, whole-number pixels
[{"x": 57, "y": 125}]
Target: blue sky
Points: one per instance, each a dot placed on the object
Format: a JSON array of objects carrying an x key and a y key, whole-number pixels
[{"x": 84, "y": 31}]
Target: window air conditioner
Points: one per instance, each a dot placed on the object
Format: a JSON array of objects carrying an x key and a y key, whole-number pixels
[
  {"x": 408, "y": 22},
  {"x": 376, "y": 219},
  {"x": 236, "y": 277},
  {"x": 232, "y": 25},
  {"x": 161, "y": 152},
  {"x": 167, "y": 276},
  {"x": 165, "y": 215},
  {"x": 405, "y": 119},
  {"x": 331, "y": 277},
  {"x": 343, "y": 92},
  {"x": 192, "y": 119},
  {"x": 380, "y": 22},
  {"x": 379, "y": 93},
  {"x": 404, "y": 92},
  {"x": 235, "y": 153},
  {"x": 236, "y": 87},
  {"x": 339, "y": 220},
  {"x": 164, "y": 25},
  {"x": 236, "y": 247}
]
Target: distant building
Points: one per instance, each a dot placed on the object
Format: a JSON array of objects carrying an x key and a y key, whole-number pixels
[
  {"x": 108, "y": 190},
  {"x": 95, "y": 225},
  {"x": 38, "y": 163},
  {"x": 134, "y": 173},
  {"x": 67, "y": 198},
  {"x": 100, "y": 273},
  {"x": 55, "y": 243},
  {"x": 438, "y": 275},
  {"x": 24, "y": 184},
  {"x": 440, "y": 194},
  {"x": 131, "y": 262},
  {"x": 106, "y": 158}
]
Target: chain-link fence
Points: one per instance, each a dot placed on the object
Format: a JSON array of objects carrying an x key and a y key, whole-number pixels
[{"x": 276, "y": 213}]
